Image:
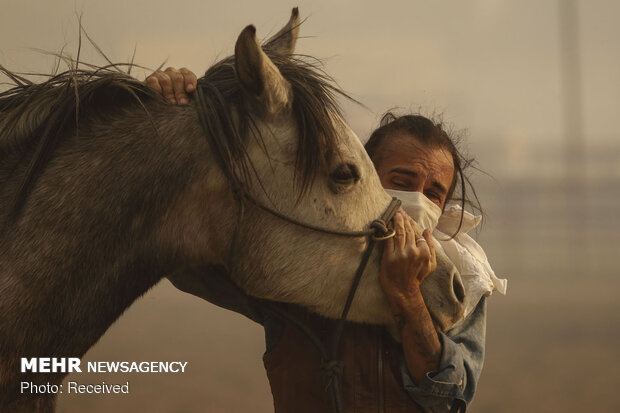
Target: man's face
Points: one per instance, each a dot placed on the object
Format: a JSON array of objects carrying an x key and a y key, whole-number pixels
[{"x": 405, "y": 164}]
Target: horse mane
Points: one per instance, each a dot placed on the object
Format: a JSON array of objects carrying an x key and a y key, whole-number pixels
[
  {"x": 33, "y": 117},
  {"x": 26, "y": 107}
]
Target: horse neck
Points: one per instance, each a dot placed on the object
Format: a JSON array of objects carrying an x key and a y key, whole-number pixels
[{"x": 102, "y": 225}]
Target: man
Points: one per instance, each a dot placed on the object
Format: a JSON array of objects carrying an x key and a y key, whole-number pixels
[{"x": 428, "y": 371}]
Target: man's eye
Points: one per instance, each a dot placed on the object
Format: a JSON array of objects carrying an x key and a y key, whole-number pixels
[
  {"x": 400, "y": 184},
  {"x": 436, "y": 198}
]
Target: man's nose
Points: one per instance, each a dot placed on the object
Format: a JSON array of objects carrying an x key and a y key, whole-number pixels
[{"x": 418, "y": 185}]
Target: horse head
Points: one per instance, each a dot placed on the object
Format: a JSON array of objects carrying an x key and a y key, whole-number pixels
[{"x": 302, "y": 160}]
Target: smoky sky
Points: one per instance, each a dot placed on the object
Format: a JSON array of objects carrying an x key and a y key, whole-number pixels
[{"x": 490, "y": 67}]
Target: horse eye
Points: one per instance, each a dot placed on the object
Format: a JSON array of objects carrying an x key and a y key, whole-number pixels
[{"x": 345, "y": 174}]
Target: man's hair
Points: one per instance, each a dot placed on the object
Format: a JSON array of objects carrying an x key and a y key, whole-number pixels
[{"x": 431, "y": 134}]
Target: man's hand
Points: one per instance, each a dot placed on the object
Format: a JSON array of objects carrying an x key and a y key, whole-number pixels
[
  {"x": 406, "y": 263},
  {"x": 173, "y": 84}
]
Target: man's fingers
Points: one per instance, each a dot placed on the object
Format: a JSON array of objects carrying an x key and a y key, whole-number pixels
[
  {"x": 415, "y": 231},
  {"x": 165, "y": 84},
  {"x": 153, "y": 83},
  {"x": 178, "y": 86},
  {"x": 431, "y": 247},
  {"x": 173, "y": 84},
  {"x": 388, "y": 246},
  {"x": 189, "y": 78},
  {"x": 411, "y": 237},
  {"x": 399, "y": 227},
  {"x": 424, "y": 247}
]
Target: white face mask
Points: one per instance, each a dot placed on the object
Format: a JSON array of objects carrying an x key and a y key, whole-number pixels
[{"x": 418, "y": 207}]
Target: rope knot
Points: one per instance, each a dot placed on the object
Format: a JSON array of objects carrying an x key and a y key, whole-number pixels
[
  {"x": 332, "y": 371},
  {"x": 382, "y": 232}
]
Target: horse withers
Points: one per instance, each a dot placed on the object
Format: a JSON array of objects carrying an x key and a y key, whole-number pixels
[{"x": 106, "y": 189}]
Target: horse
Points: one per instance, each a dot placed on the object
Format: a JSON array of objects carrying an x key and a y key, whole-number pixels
[{"x": 106, "y": 188}]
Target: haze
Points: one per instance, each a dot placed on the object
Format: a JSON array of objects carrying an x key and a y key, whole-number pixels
[{"x": 498, "y": 74}]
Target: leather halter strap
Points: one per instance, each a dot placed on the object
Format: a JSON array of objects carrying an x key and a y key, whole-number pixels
[{"x": 378, "y": 228}]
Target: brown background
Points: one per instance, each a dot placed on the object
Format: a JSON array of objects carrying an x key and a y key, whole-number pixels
[{"x": 495, "y": 68}]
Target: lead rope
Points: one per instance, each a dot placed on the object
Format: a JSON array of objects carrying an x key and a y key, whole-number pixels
[{"x": 333, "y": 368}]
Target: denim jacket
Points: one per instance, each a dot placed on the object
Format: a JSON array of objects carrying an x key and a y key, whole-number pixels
[
  {"x": 454, "y": 382},
  {"x": 460, "y": 365}
]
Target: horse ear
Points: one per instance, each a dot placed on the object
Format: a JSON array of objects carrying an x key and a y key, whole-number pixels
[
  {"x": 283, "y": 42},
  {"x": 258, "y": 75}
]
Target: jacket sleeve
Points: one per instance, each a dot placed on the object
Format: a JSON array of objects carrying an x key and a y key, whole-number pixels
[
  {"x": 214, "y": 285},
  {"x": 453, "y": 384}
]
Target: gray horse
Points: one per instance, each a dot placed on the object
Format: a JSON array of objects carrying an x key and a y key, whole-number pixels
[{"x": 106, "y": 188}]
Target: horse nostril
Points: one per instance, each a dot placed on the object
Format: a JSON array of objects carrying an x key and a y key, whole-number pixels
[
  {"x": 345, "y": 174},
  {"x": 459, "y": 289}
]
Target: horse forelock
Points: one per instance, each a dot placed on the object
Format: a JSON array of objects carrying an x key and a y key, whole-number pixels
[{"x": 229, "y": 117}]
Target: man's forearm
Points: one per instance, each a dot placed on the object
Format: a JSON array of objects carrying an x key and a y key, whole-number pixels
[{"x": 421, "y": 345}]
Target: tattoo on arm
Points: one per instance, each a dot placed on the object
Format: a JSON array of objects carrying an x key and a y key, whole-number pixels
[
  {"x": 400, "y": 322},
  {"x": 421, "y": 344}
]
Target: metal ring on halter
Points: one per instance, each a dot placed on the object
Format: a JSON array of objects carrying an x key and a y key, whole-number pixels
[
  {"x": 420, "y": 240},
  {"x": 387, "y": 235}
]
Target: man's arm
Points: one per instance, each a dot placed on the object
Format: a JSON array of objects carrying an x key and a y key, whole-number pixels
[
  {"x": 456, "y": 377},
  {"x": 440, "y": 370},
  {"x": 408, "y": 258},
  {"x": 421, "y": 344}
]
